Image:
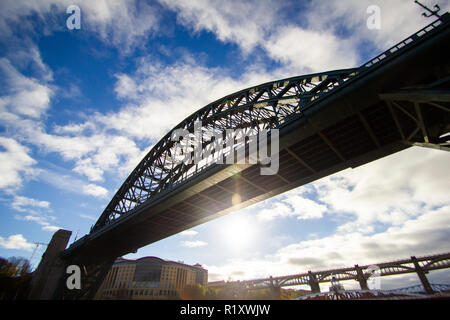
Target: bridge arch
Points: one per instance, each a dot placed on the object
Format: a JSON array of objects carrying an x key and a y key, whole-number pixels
[
  {"x": 328, "y": 276},
  {"x": 436, "y": 262},
  {"x": 264, "y": 107}
]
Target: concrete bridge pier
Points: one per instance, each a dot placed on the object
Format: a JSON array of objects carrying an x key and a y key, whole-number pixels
[
  {"x": 241, "y": 293},
  {"x": 361, "y": 278},
  {"x": 47, "y": 275},
  {"x": 313, "y": 283},
  {"x": 276, "y": 292},
  {"x": 275, "y": 289},
  {"x": 426, "y": 285}
]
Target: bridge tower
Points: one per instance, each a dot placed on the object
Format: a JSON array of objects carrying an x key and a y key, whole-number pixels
[{"x": 51, "y": 268}]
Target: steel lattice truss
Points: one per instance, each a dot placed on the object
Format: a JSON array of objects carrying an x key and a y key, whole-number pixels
[{"x": 268, "y": 106}]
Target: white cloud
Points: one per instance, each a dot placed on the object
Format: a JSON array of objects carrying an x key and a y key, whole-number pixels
[
  {"x": 88, "y": 217},
  {"x": 50, "y": 228},
  {"x": 27, "y": 97},
  {"x": 320, "y": 36},
  {"x": 193, "y": 244},
  {"x": 123, "y": 24},
  {"x": 95, "y": 191},
  {"x": 16, "y": 242},
  {"x": 269, "y": 212},
  {"x": 65, "y": 180},
  {"x": 189, "y": 233},
  {"x": 244, "y": 23},
  {"x": 306, "y": 51},
  {"x": 271, "y": 26},
  {"x": 20, "y": 202},
  {"x": 93, "y": 154},
  {"x": 305, "y": 208},
  {"x": 290, "y": 204},
  {"x": 15, "y": 164},
  {"x": 399, "y": 19},
  {"x": 40, "y": 219},
  {"x": 389, "y": 191},
  {"x": 22, "y": 111}
]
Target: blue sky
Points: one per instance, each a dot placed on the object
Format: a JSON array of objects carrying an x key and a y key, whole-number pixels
[{"x": 80, "y": 108}]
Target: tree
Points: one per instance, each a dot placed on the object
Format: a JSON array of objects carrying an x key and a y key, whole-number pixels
[
  {"x": 15, "y": 277},
  {"x": 194, "y": 292}
]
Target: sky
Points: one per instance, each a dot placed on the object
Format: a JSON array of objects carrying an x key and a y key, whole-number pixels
[{"x": 79, "y": 108}]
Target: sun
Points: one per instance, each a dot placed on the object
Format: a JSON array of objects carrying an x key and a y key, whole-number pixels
[{"x": 239, "y": 232}]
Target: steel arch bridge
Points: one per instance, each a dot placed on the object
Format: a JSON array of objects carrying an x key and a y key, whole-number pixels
[
  {"x": 269, "y": 106},
  {"x": 327, "y": 122},
  {"x": 273, "y": 105}
]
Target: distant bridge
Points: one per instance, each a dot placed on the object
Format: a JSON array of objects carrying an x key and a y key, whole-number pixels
[
  {"x": 327, "y": 122},
  {"x": 421, "y": 266},
  {"x": 437, "y": 287}
]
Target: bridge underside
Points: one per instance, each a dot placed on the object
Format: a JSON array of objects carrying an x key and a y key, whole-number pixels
[{"x": 403, "y": 103}]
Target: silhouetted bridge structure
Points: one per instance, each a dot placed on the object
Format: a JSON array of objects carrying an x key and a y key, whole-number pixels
[
  {"x": 327, "y": 122},
  {"x": 419, "y": 265}
]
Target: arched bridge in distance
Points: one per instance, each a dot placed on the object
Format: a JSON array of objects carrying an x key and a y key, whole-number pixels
[
  {"x": 419, "y": 265},
  {"x": 327, "y": 122}
]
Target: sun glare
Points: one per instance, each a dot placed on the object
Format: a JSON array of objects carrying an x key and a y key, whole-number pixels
[{"x": 239, "y": 233}]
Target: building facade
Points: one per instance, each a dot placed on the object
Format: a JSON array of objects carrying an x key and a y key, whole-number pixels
[{"x": 150, "y": 278}]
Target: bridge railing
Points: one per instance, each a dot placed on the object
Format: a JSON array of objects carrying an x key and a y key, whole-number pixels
[{"x": 407, "y": 42}]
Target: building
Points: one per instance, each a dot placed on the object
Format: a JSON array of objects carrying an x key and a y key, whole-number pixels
[{"x": 150, "y": 278}]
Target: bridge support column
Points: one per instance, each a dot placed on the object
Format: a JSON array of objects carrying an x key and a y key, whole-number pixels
[
  {"x": 275, "y": 289},
  {"x": 51, "y": 268},
  {"x": 93, "y": 274},
  {"x": 426, "y": 285},
  {"x": 313, "y": 283},
  {"x": 361, "y": 278},
  {"x": 276, "y": 292},
  {"x": 240, "y": 292}
]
